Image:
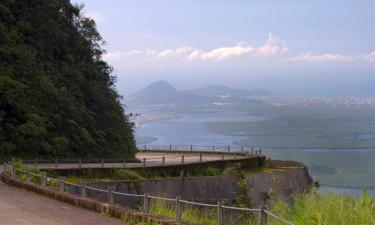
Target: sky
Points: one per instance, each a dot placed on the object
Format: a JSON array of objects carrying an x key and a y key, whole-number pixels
[{"x": 290, "y": 47}]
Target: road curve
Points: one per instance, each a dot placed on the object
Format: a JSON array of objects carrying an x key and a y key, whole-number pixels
[{"x": 21, "y": 207}]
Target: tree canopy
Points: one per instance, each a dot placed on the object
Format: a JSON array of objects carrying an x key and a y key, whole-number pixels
[{"x": 57, "y": 95}]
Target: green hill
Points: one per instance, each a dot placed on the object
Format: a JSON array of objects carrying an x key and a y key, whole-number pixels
[{"x": 57, "y": 96}]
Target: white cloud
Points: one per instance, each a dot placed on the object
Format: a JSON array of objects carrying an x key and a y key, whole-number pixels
[
  {"x": 272, "y": 46},
  {"x": 370, "y": 56},
  {"x": 97, "y": 16},
  {"x": 311, "y": 57},
  {"x": 113, "y": 56},
  {"x": 221, "y": 53}
]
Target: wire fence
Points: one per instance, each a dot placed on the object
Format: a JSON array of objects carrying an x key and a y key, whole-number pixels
[{"x": 179, "y": 209}]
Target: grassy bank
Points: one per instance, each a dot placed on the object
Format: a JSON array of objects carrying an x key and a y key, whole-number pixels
[{"x": 328, "y": 209}]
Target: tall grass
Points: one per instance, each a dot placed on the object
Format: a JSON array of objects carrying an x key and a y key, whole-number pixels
[{"x": 328, "y": 209}]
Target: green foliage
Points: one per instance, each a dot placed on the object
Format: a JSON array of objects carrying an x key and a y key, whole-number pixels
[
  {"x": 327, "y": 209},
  {"x": 211, "y": 171},
  {"x": 57, "y": 96},
  {"x": 230, "y": 170},
  {"x": 127, "y": 174}
]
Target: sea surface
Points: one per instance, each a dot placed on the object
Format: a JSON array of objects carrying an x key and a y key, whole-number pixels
[{"x": 336, "y": 169}]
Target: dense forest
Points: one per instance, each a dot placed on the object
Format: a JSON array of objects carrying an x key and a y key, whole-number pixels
[{"x": 57, "y": 95}]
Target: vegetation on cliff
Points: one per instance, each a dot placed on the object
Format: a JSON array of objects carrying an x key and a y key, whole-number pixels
[
  {"x": 328, "y": 208},
  {"x": 57, "y": 96}
]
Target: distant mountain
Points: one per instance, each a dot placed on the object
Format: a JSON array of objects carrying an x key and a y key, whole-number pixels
[{"x": 162, "y": 92}]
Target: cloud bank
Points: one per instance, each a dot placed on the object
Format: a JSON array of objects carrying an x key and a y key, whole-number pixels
[
  {"x": 273, "y": 46},
  {"x": 311, "y": 57}
]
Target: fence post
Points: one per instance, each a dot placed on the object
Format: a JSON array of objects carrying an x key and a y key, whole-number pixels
[
  {"x": 178, "y": 210},
  {"x": 219, "y": 213},
  {"x": 80, "y": 163},
  {"x": 262, "y": 216},
  {"x": 61, "y": 185},
  {"x": 163, "y": 160},
  {"x": 83, "y": 190},
  {"x": 200, "y": 157},
  {"x": 5, "y": 168},
  {"x": 43, "y": 179},
  {"x": 13, "y": 171},
  {"x": 182, "y": 159},
  {"x": 27, "y": 176},
  {"x": 144, "y": 162},
  {"x": 145, "y": 204},
  {"x": 111, "y": 199},
  {"x": 102, "y": 163}
]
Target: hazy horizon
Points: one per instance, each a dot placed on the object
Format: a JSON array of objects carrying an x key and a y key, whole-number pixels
[{"x": 290, "y": 48}]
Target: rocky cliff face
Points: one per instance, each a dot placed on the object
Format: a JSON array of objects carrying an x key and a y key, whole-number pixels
[{"x": 281, "y": 183}]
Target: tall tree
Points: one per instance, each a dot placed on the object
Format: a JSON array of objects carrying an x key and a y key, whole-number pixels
[{"x": 57, "y": 95}]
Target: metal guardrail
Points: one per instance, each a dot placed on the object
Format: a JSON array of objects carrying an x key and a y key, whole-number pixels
[
  {"x": 184, "y": 156},
  {"x": 110, "y": 199}
]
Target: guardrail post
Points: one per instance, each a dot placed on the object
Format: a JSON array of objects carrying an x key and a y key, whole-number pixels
[
  {"x": 182, "y": 159},
  {"x": 145, "y": 204},
  {"x": 178, "y": 210},
  {"x": 219, "y": 214},
  {"x": 191, "y": 147},
  {"x": 200, "y": 157},
  {"x": 35, "y": 163},
  {"x": 80, "y": 163},
  {"x": 5, "y": 167},
  {"x": 83, "y": 190},
  {"x": 262, "y": 216},
  {"x": 56, "y": 161},
  {"x": 43, "y": 179},
  {"x": 144, "y": 162},
  {"x": 163, "y": 160},
  {"x": 13, "y": 171},
  {"x": 111, "y": 199},
  {"x": 27, "y": 176},
  {"x": 61, "y": 185},
  {"x": 102, "y": 163}
]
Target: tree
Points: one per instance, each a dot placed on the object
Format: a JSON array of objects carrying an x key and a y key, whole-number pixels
[{"x": 57, "y": 95}]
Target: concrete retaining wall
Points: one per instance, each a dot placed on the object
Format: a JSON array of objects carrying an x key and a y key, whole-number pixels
[{"x": 279, "y": 184}]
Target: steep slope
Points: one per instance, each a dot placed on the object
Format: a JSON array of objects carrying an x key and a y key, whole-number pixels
[{"x": 56, "y": 94}]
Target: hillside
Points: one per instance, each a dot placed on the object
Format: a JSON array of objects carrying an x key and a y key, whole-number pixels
[
  {"x": 57, "y": 98},
  {"x": 162, "y": 92}
]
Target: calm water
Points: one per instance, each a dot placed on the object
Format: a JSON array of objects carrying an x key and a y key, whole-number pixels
[{"x": 338, "y": 170}]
